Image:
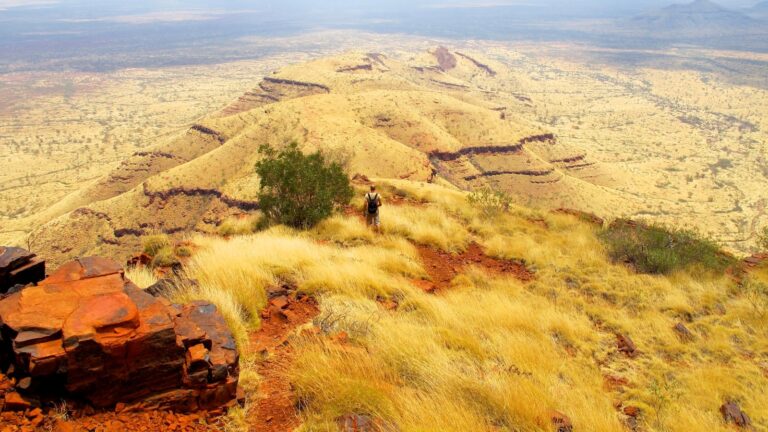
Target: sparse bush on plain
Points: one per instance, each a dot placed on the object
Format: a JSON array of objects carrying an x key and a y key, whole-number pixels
[
  {"x": 659, "y": 250},
  {"x": 300, "y": 190}
]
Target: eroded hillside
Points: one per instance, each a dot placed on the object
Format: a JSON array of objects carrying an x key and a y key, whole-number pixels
[
  {"x": 644, "y": 144},
  {"x": 391, "y": 118}
]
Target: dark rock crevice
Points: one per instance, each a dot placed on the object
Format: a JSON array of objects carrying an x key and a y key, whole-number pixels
[
  {"x": 208, "y": 131},
  {"x": 294, "y": 83},
  {"x": 530, "y": 173},
  {"x": 362, "y": 67},
  {"x": 167, "y": 194},
  {"x": 482, "y": 66}
]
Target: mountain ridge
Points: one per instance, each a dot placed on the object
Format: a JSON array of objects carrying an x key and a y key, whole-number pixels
[{"x": 699, "y": 18}]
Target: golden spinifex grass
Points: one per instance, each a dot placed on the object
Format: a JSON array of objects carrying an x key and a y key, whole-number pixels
[
  {"x": 489, "y": 352},
  {"x": 143, "y": 277}
]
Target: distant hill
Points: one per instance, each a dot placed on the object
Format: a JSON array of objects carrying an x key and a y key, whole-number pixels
[{"x": 700, "y": 18}]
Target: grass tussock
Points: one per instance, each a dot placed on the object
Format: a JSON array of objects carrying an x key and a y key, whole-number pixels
[
  {"x": 241, "y": 225},
  {"x": 142, "y": 276},
  {"x": 155, "y": 243},
  {"x": 490, "y": 353}
]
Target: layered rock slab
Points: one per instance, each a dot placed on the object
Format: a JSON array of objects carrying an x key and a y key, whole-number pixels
[
  {"x": 19, "y": 267},
  {"x": 88, "y": 332}
]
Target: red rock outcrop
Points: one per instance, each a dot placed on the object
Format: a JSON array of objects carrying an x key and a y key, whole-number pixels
[
  {"x": 626, "y": 345},
  {"x": 19, "y": 267},
  {"x": 733, "y": 414},
  {"x": 360, "y": 423},
  {"x": 87, "y": 332},
  {"x": 445, "y": 59},
  {"x": 756, "y": 260}
]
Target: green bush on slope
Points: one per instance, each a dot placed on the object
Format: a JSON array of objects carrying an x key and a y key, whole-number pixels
[
  {"x": 300, "y": 190},
  {"x": 660, "y": 250}
]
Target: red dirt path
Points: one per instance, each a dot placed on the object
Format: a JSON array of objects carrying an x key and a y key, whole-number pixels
[
  {"x": 275, "y": 410},
  {"x": 443, "y": 267}
]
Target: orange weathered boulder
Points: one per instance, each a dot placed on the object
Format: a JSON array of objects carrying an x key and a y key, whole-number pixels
[{"x": 87, "y": 331}]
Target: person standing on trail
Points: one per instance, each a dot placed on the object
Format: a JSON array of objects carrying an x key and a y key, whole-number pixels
[{"x": 372, "y": 205}]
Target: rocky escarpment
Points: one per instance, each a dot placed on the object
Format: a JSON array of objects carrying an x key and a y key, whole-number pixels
[
  {"x": 480, "y": 150},
  {"x": 167, "y": 194},
  {"x": 355, "y": 68},
  {"x": 482, "y": 66},
  {"x": 86, "y": 333},
  {"x": 272, "y": 90},
  {"x": 208, "y": 131},
  {"x": 197, "y": 140},
  {"x": 495, "y": 150},
  {"x": 530, "y": 173},
  {"x": 469, "y": 165},
  {"x": 450, "y": 85}
]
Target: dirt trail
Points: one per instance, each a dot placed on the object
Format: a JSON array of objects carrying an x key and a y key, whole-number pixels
[
  {"x": 443, "y": 267},
  {"x": 275, "y": 409}
]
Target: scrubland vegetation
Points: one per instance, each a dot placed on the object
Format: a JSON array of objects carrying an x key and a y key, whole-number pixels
[
  {"x": 300, "y": 190},
  {"x": 491, "y": 352},
  {"x": 656, "y": 249}
]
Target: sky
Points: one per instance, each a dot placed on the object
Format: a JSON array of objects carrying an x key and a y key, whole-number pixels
[{"x": 392, "y": 5}]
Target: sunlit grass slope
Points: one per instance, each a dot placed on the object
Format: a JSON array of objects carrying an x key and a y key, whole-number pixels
[{"x": 492, "y": 353}]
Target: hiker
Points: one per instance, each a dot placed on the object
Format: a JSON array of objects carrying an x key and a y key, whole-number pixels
[{"x": 372, "y": 204}]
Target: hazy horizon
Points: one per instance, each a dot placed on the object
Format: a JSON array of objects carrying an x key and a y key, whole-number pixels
[{"x": 104, "y": 35}]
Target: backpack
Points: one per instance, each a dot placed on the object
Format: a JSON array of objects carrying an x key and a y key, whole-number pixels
[{"x": 373, "y": 202}]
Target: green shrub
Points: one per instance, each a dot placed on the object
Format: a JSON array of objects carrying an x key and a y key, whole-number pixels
[
  {"x": 154, "y": 243},
  {"x": 659, "y": 250},
  {"x": 300, "y": 190}
]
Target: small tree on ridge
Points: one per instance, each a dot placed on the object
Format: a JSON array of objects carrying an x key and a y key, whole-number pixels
[{"x": 300, "y": 190}]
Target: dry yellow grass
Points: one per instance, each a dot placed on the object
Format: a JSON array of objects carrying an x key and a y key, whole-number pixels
[
  {"x": 142, "y": 276},
  {"x": 492, "y": 353},
  {"x": 241, "y": 225}
]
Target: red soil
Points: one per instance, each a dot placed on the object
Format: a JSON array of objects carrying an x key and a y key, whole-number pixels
[
  {"x": 34, "y": 419},
  {"x": 275, "y": 410},
  {"x": 443, "y": 267}
]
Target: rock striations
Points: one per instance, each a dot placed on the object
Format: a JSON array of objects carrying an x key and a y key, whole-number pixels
[{"x": 88, "y": 333}]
